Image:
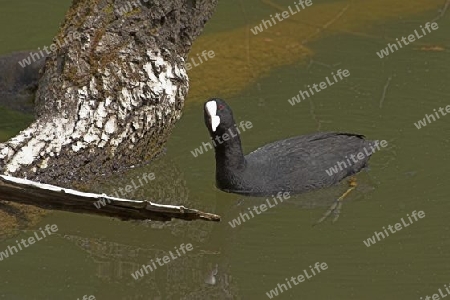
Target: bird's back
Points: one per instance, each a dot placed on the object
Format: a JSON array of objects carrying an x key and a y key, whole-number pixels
[{"x": 303, "y": 163}]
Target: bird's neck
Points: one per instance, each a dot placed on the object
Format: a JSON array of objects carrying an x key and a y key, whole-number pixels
[{"x": 228, "y": 150}]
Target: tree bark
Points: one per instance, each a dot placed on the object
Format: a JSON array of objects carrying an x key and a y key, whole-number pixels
[
  {"x": 49, "y": 196},
  {"x": 109, "y": 99}
]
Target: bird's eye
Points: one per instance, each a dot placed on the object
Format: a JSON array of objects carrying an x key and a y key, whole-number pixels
[{"x": 220, "y": 107}]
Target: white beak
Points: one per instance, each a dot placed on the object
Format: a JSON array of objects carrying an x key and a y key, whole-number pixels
[{"x": 211, "y": 109}]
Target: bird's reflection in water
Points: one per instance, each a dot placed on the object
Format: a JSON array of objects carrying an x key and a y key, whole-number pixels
[{"x": 211, "y": 277}]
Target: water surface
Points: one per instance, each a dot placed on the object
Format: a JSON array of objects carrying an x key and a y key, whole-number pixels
[{"x": 381, "y": 99}]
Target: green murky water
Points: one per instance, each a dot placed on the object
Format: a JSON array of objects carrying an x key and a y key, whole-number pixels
[{"x": 381, "y": 99}]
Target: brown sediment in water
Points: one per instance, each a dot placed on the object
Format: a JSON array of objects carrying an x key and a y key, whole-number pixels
[
  {"x": 16, "y": 216},
  {"x": 241, "y": 57}
]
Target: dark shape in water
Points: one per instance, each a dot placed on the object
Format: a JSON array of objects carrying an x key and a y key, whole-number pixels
[{"x": 294, "y": 165}]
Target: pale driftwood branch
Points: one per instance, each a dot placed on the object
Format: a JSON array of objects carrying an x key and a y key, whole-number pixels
[{"x": 53, "y": 197}]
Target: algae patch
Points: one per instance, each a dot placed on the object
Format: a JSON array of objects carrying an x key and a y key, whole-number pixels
[{"x": 242, "y": 57}]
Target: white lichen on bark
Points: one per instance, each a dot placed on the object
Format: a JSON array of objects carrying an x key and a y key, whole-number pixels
[
  {"x": 104, "y": 123},
  {"x": 111, "y": 97}
]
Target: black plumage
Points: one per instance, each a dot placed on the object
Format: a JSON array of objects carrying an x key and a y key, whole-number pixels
[{"x": 294, "y": 165}]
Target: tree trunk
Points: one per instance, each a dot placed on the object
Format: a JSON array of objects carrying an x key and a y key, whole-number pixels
[{"x": 110, "y": 94}]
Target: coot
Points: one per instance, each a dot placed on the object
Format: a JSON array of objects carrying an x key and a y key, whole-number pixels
[{"x": 294, "y": 165}]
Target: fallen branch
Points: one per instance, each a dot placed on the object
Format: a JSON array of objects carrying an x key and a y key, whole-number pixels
[{"x": 53, "y": 197}]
